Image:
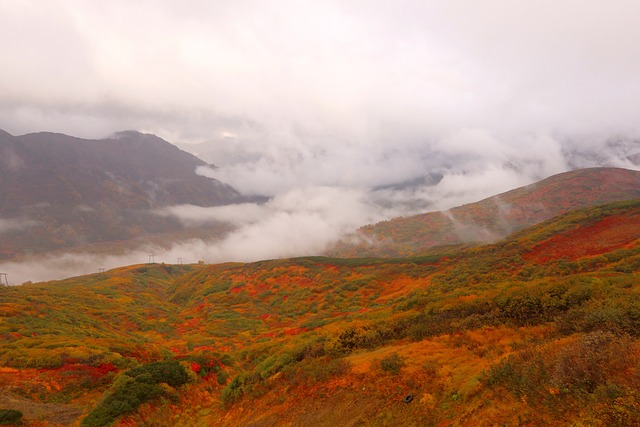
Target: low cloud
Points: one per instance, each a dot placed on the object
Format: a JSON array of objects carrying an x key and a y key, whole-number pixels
[
  {"x": 296, "y": 223},
  {"x": 238, "y": 214},
  {"x": 13, "y": 224},
  {"x": 342, "y": 113},
  {"x": 306, "y": 220}
]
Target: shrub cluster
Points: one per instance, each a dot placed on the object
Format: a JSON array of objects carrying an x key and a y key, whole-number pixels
[
  {"x": 305, "y": 361},
  {"x": 597, "y": 371},
  {"x": 392, "y": 363},
  {"x": 135, "y": 387},
  {"x": 10, "y": 417}
]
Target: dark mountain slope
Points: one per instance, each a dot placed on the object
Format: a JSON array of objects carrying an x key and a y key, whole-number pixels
[
  {"x": 495, "y": 217},
  {"x": 58, "y": 191}
]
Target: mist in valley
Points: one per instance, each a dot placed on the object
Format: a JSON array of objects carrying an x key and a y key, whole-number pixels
[{"x": 338, "y": 115}]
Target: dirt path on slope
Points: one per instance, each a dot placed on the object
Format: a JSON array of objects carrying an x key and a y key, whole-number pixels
[{"x": 55, "y": 413}]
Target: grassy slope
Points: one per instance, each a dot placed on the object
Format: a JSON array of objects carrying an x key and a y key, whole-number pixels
[{"x": 482, "y": 336}]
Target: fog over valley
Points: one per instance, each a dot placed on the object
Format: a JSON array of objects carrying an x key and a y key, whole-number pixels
[{"x": 325, "y": 115}]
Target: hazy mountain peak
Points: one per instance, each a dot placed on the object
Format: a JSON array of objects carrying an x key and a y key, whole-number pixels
[
  {"x": 127, "y": 134},
  {"x": 136, "y": 136},
  {"x": 118, "y": 182}
]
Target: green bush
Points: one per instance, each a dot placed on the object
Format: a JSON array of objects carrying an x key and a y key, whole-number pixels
[
  {"x": 237, "y": 387},
  {"x": 160, "y": 372},
  {"x": 10, "y": 417},
  {"x": 123, "y": 400},
  {"x": 618, "y": 315},
  {"x": 133, "y": 388},
  {"x": 393, "y": 363},
  {"x": 222, "y": 377}
]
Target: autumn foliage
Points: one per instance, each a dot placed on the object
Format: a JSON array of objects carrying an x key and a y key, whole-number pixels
[{"x": 541, "y": 328}]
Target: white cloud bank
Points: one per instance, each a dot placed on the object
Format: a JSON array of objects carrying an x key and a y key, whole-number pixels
[{"x": 318, "y": 103}]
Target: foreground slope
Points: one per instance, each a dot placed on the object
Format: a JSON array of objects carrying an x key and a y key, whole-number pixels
[
  {"x": 59, "y": 191},
  {"x": 493, "y": 218},
  {"x": 497, "y": 334}
]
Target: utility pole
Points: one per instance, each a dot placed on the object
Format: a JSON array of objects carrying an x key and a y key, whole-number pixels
[
  {"x": 179, "y": 261},
  {"x": 152, "y": 259},
  {"x": 4, "y": 280}
]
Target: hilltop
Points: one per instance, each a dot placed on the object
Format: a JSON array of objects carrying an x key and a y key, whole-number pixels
[
  {"x": 493, "y": 218},
  {"x": 59, "y": 191},
  {"x": 541, "y": 327}
]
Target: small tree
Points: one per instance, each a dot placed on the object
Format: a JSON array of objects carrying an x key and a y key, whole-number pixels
[{"x": 393, "y": 363}]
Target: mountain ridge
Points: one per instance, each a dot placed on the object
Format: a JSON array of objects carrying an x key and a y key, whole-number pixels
[
  {"x": 492, "y": 218},
  {"x": 70, "y": 191}
]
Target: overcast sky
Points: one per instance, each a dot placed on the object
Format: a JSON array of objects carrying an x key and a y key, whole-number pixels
[
  {"x": 347, "y": 66},
  {"x": 338, "y": 94},
  {"x": 377, "y": 81}
]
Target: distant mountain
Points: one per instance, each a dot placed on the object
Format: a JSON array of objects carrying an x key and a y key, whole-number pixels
[
  {"x": 224, "y": 151},
  {"x": 493, "y": 218},
  {"x": 58, "y": 191}
]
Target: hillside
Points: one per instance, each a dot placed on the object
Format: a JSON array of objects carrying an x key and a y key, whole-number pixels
[
  {"x": 494, "y": 218},
  {"x": 538, "y": 329},
  {"x": 59, "y": 191}
]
